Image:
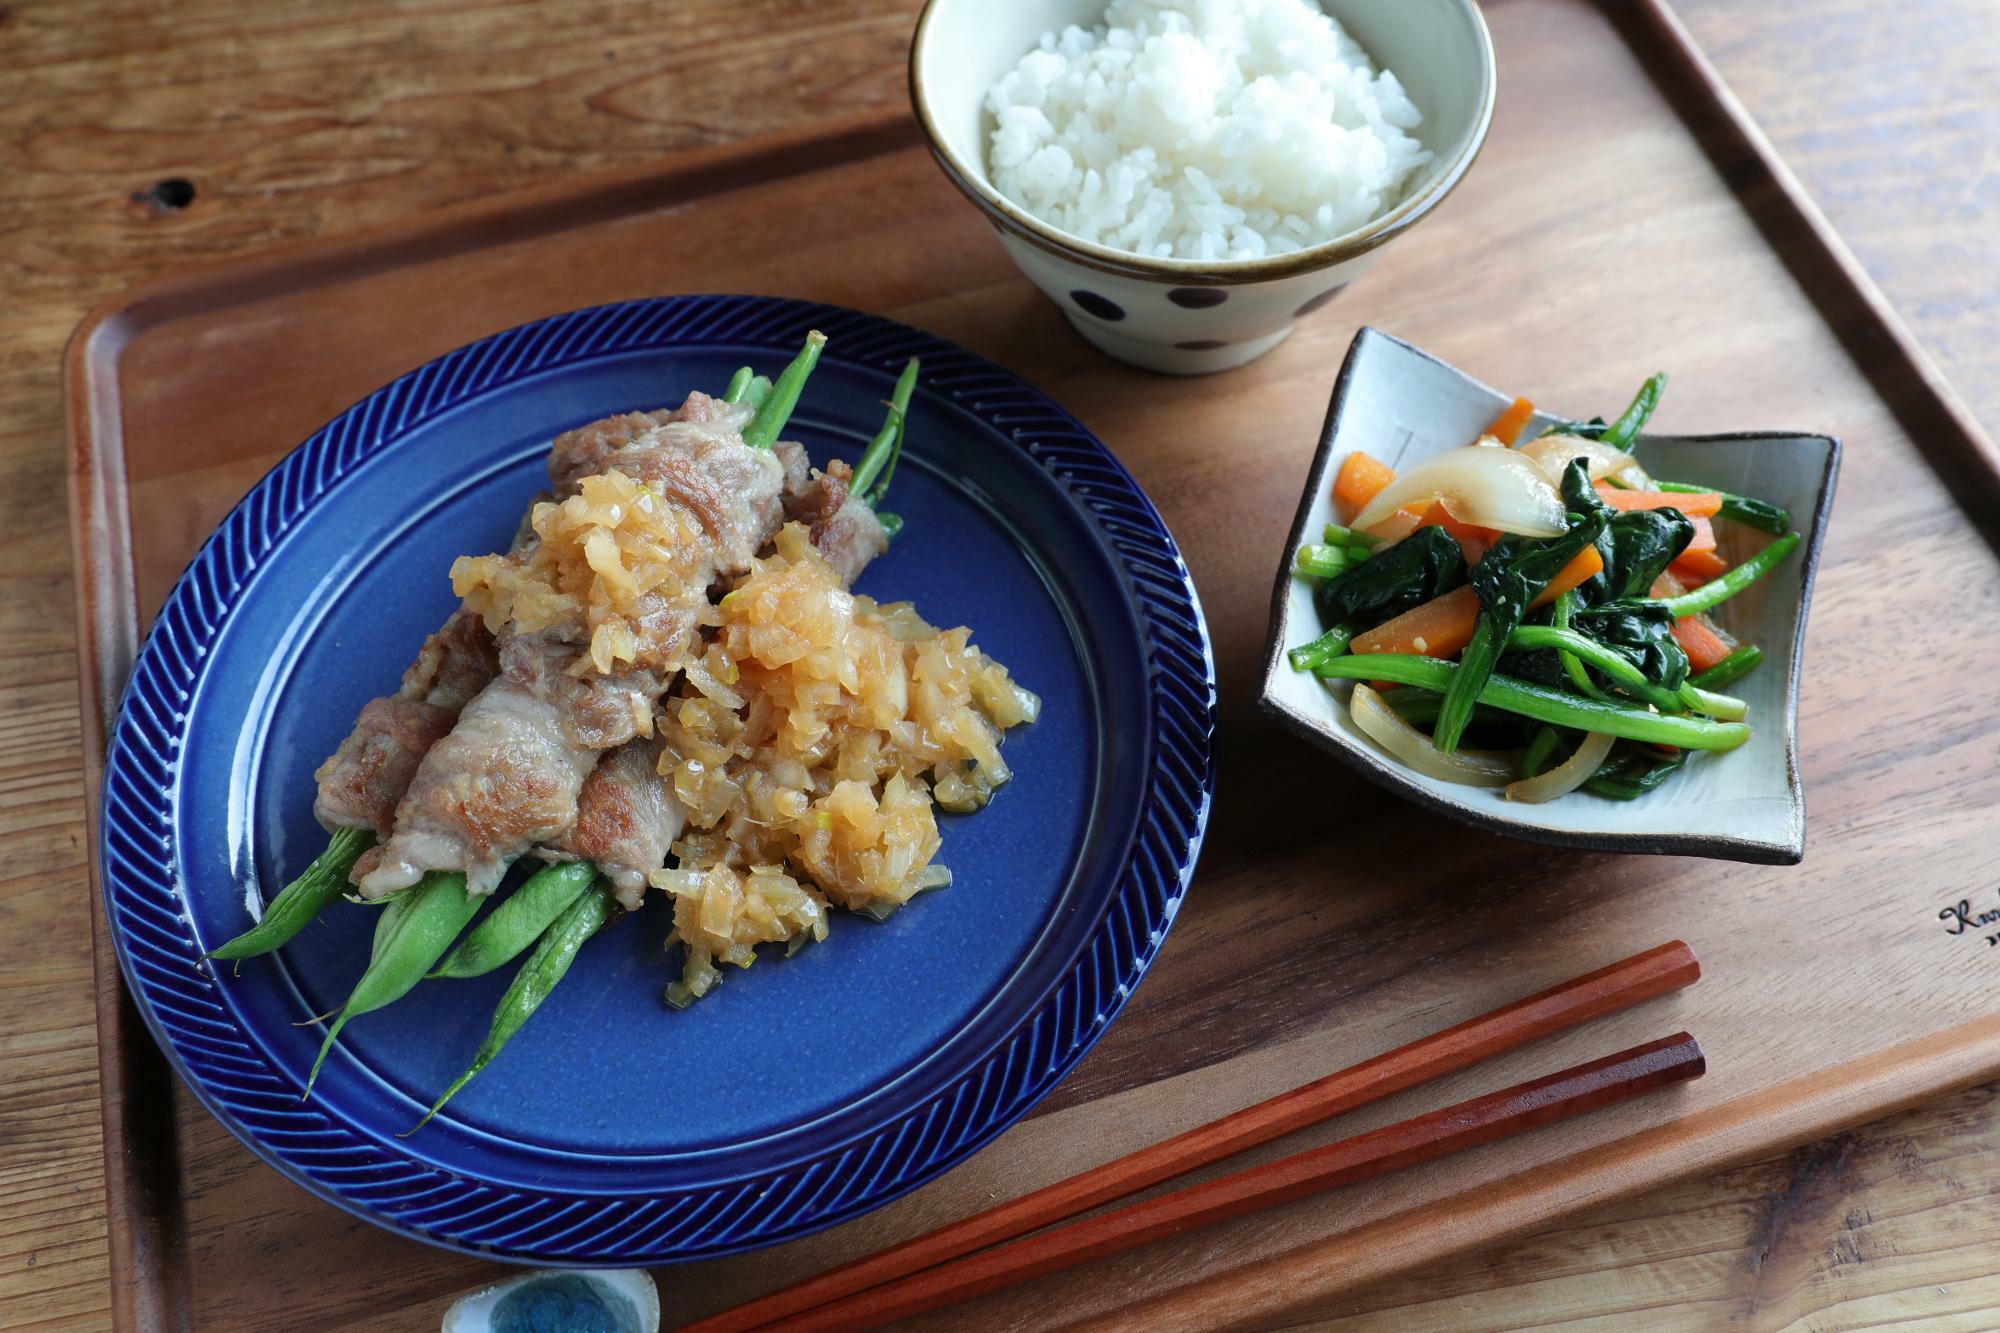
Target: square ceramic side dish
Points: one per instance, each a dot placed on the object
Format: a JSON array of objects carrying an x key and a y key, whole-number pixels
[{"x": 1403, "y": 406}]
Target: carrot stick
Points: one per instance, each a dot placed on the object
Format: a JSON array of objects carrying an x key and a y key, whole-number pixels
[
  {"x": 1357, "y": 482},
  {"x": 1703, "y": 646},
  {"x": 1694, "y": 568},
  {"x": 1507, "y": 427},
  {"x": 1704, "y": 536},
  {"x": 1443, "y": 626},
  {"x": 1587, "y": 564},
  {"x": 1440, "y": 627},
  {"x": 1695, "y": 504}
]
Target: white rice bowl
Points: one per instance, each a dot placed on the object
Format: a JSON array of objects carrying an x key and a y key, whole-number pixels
[{"x": 1203, "y": 129}]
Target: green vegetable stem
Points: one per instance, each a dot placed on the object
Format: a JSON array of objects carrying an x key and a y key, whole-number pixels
[
  {"x": 1510, "y": 576},
  {"x": 1730, "y": 669},
  {"x": 301, "y": 900},
  {"x": 776, "y": 410},
  {"x": 519, "y": 920},
  {"x": 1536, "y": 757},
  {"x": 1324, "y": 562},
  {"x": 1326, "y": 647},
  {"x": 535, "y": 980},
  {"x": 1759, "y": 514},
  {"x": 428, "y": 918},
  {"x": 1543, "y": 704},
  {"x": 1620, "y": 433},
  {"x": 1726, "y": 585},
  {"x": 879, "y": 458},
  {"x": 1614, "y": 665},
  {"x": 1353, "y": 538}
]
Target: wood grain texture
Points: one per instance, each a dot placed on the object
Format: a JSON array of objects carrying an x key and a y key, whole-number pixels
[
  {"x": 295, "y": 120},
  {"x": 1656, "y": 972},
  {"x": 286, "y": 340},
  {"x": 1547, "y": 1100}
]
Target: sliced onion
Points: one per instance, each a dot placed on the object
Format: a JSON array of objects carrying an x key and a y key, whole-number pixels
[
  {"x": 1488, "y": 488},
  {"x": 1567, "y": 776},
  {"x": 704, "y": 680},
  {"x": 1469, "y": 768},
  {"x": 1554, "y": 453}
]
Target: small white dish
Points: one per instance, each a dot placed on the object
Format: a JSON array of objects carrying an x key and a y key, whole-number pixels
[
  {"x": 1402, "y": 405},
  {"x": 618, "y": 1300},
  {"x": 1185, "y": 316}
]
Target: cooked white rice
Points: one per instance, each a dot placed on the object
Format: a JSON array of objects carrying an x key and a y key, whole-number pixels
[{"x": 1203, "y": 129}]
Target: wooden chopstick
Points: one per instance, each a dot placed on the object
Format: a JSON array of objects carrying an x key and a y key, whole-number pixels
[
  {"x": 1606, "y": 991},
  {"x": 1498, "y": 1115}
]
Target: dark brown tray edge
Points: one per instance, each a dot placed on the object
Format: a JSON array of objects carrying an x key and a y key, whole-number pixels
[
  {"x": 1885, "y": 353},
  {"x": 143, "y": 1230}
]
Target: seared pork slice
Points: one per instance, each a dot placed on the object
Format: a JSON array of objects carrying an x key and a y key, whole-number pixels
[
  {"x": 844, "y": 529},
  {"x": 626, "y": 820},
  {"x": 578, "y": 678},
  {"x": 361, "y": 782}
]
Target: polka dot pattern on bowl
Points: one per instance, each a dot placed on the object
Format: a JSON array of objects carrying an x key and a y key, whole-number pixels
[
  {"x": 1090, "y": 303},
  {"x": 1319, "y": 300}
]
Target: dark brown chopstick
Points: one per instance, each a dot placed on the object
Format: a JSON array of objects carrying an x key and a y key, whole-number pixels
[
  {"x": 1606, "y": 991},
  {"x": 1499, "y": 1115}
]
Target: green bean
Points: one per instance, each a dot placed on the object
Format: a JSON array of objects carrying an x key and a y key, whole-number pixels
[
  {"x": 891, "y": 523},
  {"x": 1324, "y": 562},
  {"x": 1544, "y": 704},
  {"x": 879, "y": 458},
  {"x": 532, "y": 984},
  {"x": 776, "y": 410},
  {"x": 1572, "y": 665},
  {"x": 1621, "y": 670},
  {"x": 1726, "y": 585},
  {"x": 1536, "y": 757},
  {"x": 739, "y": 385},
  {"x": 1730, "y": 669},
  {"x": 518, "y": 921},
  {"x": 301, "y": 900},
  {"x": 1328, "y": 645},
  {"x": 415, "y": 939},
  {"x": 1620, "y": 433},
  {"x": 1353, "y": 538},
  {"x": 1744, "y": 509},
  {"x": 394, "y": 908}
]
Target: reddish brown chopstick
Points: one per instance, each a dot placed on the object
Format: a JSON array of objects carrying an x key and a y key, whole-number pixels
[
  {"x": 1605, "y": 991},
  {"x": 1498, "y": 1115}
]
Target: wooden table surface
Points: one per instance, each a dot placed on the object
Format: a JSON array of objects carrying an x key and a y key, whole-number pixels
[{"x": 138, "y": 136}]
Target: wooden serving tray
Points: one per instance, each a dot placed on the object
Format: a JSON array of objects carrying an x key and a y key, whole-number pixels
[{"x": 1625, "y": 217}]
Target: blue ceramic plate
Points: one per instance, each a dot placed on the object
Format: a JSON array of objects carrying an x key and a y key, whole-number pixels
[{"x": 802, "y": 1092}]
